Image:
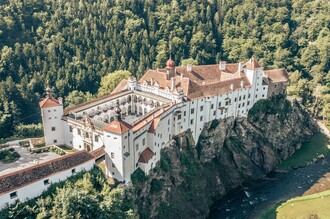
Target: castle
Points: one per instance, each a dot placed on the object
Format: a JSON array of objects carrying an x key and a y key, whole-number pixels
[{"x": 140, "y": 117}]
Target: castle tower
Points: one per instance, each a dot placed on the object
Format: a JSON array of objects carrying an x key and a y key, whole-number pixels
[
  {"x": 51, "y": 113},
  {"x": 170, "y": 68},
  {"x": 254, "y": 72},
  {"x": 118, "y": 142}
]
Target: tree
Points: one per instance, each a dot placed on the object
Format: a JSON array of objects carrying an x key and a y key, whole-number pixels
[{"x": 111, "y": 80}]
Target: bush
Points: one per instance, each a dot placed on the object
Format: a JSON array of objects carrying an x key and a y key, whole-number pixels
[
  {"x": 164, "y": 164},
  {"x": 29, "y": 131},
  {"x": 156, "y": 185},
  {"x": 9, "y": 155},
  {"x": 138, "y": 176}
]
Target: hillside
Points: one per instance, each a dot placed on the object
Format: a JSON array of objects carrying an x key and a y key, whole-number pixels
[{"x": 73, "y": 44}]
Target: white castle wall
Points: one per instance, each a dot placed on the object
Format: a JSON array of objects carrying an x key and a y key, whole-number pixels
[{"x": 35, "y": 189}]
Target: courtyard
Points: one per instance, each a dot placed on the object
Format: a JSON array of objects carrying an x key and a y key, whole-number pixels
[{"x": 26, "y": 159}]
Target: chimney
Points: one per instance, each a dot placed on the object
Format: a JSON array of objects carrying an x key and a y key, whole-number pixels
[
  {"x": 60, "y": 100},
  {"x": 222, "y": 65},
  {"x": 242, "y": 84},
  {"x": 240, "y": 67},
  {"x": 167, "y": 75},
  {"x": 172, "y": 83},
  {"x": 232, "y": 86},
  {"x": 181, "y": 76},
  {"x": 189, "y": 67},
  {"x": 152, "y": 81}
]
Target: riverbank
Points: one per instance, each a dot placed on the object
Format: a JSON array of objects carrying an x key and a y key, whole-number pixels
[{"x": 255, "y": 199}]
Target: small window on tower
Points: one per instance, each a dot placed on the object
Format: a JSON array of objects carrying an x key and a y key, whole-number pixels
[
  {"x": 96, "y": 138},
  {"x": 73, "y": 171},
  {"x": 54, "y": 110},
  {"x": 53, "y": 129},
  {"x": 55, "y": 141},
  {"x": 70, "y": 127},
  {"x": 112, "y": 155}
]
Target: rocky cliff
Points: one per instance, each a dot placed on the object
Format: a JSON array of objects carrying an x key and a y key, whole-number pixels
[{"x": 230, "y": 151}]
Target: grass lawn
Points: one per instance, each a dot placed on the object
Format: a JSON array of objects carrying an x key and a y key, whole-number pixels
[
  {"x": 309, "y": 150},
  {"x": 305, "y": 206},
  {"x": 9, "y": 155},
  {"x": 269, "y": 213}
]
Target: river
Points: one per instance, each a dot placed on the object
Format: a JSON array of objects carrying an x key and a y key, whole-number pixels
[{"x": 253, "y": 197}]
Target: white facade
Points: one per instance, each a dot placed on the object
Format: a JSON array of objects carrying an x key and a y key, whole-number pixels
[
  {"x": 52, "y": 124},
  {"x": 157, "y": 113},
  {"x": 36, "y": 188}
]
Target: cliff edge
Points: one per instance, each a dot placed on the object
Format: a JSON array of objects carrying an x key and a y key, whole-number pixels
[{"x": 189, "y": 178}]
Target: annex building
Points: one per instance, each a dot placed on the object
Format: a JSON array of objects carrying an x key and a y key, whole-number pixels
[{"x": 140, "y": 117}]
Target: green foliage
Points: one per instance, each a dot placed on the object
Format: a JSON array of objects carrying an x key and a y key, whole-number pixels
[
  {"x": 73, "y": 44},
  {"x": 164, "y": 162},
  {"x": 110, "y": 81},
  {"x": 156, "y": 186},
  {"x": 84, "y": 195},
  {"x": 77, "y": 97},
  {"x": 274, "y": 105},
  {"x": 316, "y": 146},
  {"x": 138, "y": 177},
  {"x": 8, "y": 155},
  {"x": 29, "y": 131},
  {"x": 214, "y": 124}
]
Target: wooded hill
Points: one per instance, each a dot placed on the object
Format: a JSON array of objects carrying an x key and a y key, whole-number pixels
[{"x": 73, "y": 44}]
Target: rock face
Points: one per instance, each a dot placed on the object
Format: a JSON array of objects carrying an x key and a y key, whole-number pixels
[{"x": 230, "y": 151}]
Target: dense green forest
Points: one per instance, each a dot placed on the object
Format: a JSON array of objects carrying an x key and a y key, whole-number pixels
[{"x": 73, "y": 44}]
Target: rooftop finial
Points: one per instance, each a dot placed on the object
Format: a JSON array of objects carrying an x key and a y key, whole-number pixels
[{"x": 49, "y": 91}]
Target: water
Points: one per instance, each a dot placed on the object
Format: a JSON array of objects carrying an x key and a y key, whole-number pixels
[{"x": 253, "y": 197}]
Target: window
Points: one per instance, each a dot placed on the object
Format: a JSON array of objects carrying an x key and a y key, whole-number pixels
[
  {"x": 79, "y": 146},
  {"x": 112, "y": 155},
  {"x": 13, "y": 195},
  {"x": 54, "y": 110},
  {"x": 263, "y": 95},
  {"x": 249, "y": 96},
  {"x": 113, "y": 165},
  {"x": 214, "y": 112},
  {"x": 235, "y": 99},
  {"x": 191, "y": 122},
  {"x": 46, "y": 182},
  {"x": 70, "y": 127},
  {"x": 201, "y": 118},
  {"x": 244, "y": 97},
  {"x": 201, "y": 108},
  {"x": 49, "y": 111},
  {"x": 184, "y": 113},
  {"x": 55, "y": 141},
  {"x": 73, "y": 171},
  {"x": 212, "y": 106},
  {"x": 55, "y": 117},
  {"x": 248, "y": 103},
  {"x": 50, "y": 118},
  {"x": 79, "y": 131},
  {"x": 137, "y": 147},
  {"x": 179, "y": 116},
  {"x": 240, "y": 98},
  {"x": 168, "y": 122},
  {"x": 220, "y": 104},
  {"x": 96, "y": 138},
  {"x": 192, "y": 111},
  {"x": 243, "y": 104},
  {"x": 239, "y": 105},
  {"x": 264, "y": 88},
  {"x": 256, "y": 96},
  {"x": 53, "y": 129},
  {"x": 143, "y": 141}
]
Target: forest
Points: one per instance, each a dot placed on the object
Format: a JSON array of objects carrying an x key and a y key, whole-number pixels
[{"x": 71, "y": 45}]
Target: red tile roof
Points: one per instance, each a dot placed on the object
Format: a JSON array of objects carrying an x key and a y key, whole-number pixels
[
  {"x": 18, "y": 179},
  {"x": 204, "y": 80},
  {"x": 98, "y": 152},
  {"x": 252, "y": 64},
  {"x": 118, "y": 127},
  {"x": 154, "y": 125},
  {"x": 146, "y": 155},
  {"x": 49, "y": 102},
  {"x": 277, "y": 75},
  {"x": 121, "y": 86}
]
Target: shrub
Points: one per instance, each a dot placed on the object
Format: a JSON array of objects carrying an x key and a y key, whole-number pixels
[
  {"x": 138, "y": 176},
  {"x": 29, "y": 131},
  {"x": 156, "y": 185}
]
